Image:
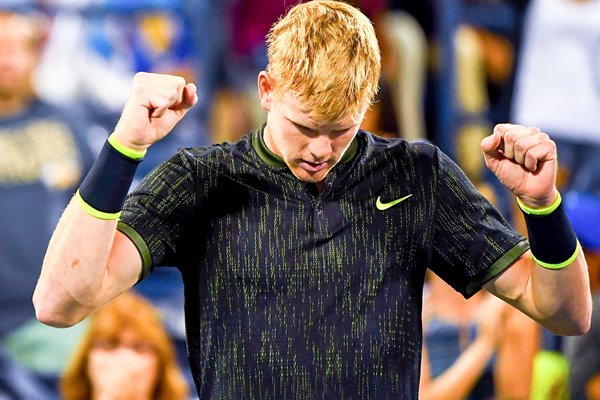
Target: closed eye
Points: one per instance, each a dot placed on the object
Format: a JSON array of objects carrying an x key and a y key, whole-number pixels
[
  {"x": 341, "y": 131},
  {"x": 303, "y": 129}
]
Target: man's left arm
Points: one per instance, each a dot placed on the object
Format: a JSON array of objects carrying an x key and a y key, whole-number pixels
[{"x": 550, "y": 283}]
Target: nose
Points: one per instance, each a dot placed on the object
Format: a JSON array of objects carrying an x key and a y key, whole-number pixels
[{"x": 320, "y": 147}]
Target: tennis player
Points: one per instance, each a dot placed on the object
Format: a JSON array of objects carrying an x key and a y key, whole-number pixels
[{"x": 303, "y": 246}]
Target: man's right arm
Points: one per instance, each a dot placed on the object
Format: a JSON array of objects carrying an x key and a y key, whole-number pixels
[{"x": 88, "y": 262}]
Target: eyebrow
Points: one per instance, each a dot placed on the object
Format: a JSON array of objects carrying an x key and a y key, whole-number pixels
[
  {"x": 299, "y": 124},
  {"x": 313, "y": 129}
]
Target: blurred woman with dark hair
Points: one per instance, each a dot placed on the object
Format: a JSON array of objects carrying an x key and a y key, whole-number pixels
[{"x": 126, "y": 354}]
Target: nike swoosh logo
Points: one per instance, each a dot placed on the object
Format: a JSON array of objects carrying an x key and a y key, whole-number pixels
[{"x": 384, "y": 206}]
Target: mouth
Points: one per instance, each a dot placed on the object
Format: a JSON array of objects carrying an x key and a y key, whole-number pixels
[{"x": 313, "y": 167}]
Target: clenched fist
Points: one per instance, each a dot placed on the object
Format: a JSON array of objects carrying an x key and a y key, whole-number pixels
[
  {"x": 155, "y": 105},
  {"x": 524, "y": 161}
]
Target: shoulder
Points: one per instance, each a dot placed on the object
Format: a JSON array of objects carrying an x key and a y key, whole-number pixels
[
  {"x": 218, "y": 152},
  {"x": 418, "y": 159},
  {"x": 375, "y": 146},
  {"x": 220, "y": 158}
]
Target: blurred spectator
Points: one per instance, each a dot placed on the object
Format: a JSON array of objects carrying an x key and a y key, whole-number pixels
[
  {"x": 478, "y": 348},
  {"x": 583, "y": 352},
  {"x": 558, "y": 84},
  {"x": 235, "y": 109},
  {"x": 125, "y": 354},
  {"x": 43, "y": 156},
  {"x": 405, "y": 64},
  {"x": 93, "y": 53}
]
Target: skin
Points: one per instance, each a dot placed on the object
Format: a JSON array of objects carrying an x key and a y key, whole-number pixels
[
  {"x": 524, "y": 160},
  {"x": 18, "y": 59},
  {"x": 593, "y": 388},
  {"x": 502, "y": 331},
  {"x": 309, "y": 147},
  {"x": 458, "y": 380},
  {"x": 114, "y": 367},
  {"x": 88, "y": 262}
]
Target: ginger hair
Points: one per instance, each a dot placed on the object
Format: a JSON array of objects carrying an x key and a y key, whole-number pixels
[
  {"x": 326, "y": 55},
  {"x": 126, "y": 312}
]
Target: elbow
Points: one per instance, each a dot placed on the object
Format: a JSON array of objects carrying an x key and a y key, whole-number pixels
[
  {"x": 578, "y": 324},
  {"x": 576, "y": 328},
  {"x": 47, "y": 317},
  {"x": 583, "y": 324},
  {"x": 53, "y": 315}
]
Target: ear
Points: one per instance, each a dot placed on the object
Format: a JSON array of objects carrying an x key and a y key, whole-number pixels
[{"x": 265, "y": 90}]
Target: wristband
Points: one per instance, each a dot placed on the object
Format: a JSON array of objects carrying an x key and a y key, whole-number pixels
[
  {"x": 103, "y": 191},
  {"x": 134, "y": 154},
  {"x": 552, "y": 239}
]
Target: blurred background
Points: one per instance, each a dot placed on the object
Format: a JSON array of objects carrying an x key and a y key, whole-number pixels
[{"x": 452, "y": 69}]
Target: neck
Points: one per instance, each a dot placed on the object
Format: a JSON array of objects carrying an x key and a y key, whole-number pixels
[
  {"x": 12, "y": 105},
  {"x": 131, "y": 394},
  {"x": 269, "y": 142}
]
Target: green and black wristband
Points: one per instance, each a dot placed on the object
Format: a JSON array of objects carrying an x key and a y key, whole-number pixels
[
  {"x": 553, "y": 242},
  {"x": 103, "y": 191}
]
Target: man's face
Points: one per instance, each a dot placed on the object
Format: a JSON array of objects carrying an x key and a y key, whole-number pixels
[
  {"x": 17, "y": 55},
  {"x": 310, "y": 148}
]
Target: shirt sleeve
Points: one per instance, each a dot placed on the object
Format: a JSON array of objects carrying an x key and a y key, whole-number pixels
[
  {"x": 155, "y": 213},
  {"x": 472, "y": 242}
]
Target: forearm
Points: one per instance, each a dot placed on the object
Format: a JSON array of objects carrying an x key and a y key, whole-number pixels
[
  {"x": 561, "y": 298},
  {"x": 559, "y": 284},
  {"x": 550, "y": 283},
  {"x": 458, "y": 380},
  {"x": 73, "y": 268},
  {"x": 552, "y": 288},
  {"x": 76, "y": 275}
]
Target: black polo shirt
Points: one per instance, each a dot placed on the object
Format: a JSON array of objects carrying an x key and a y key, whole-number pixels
[{"x": 292, "y": 293}]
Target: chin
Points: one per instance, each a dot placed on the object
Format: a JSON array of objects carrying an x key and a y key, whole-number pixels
[{"x": 310, "y": 178}]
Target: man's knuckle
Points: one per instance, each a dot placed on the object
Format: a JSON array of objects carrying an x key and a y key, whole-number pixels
[
  {"x": 140, "y": 76},
  {"x": 173, "y": 94},
  {"x": 520, "y": 146},
  {"x": 138, "y": 89},
  {"x": 544, "y": 137},
  {"x": 180, "y": 81},
  {"x": 510, "y": 136}
]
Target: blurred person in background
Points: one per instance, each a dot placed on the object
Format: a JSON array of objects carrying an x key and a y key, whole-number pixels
[
  {"x": 126, "y": 353},
  {"x": 558, "y": 85},
  {"x": 476, "y": 348},
  {"x": 583, "y": 352},
  {"x": 460, "y": 338},
  {"x": 479, "y": 348},
  {"x": 92, "y": 54},
  {"x": 43, "y": 156}
]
